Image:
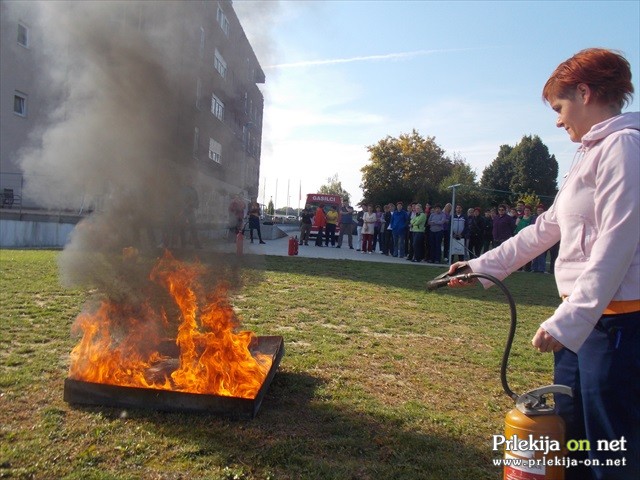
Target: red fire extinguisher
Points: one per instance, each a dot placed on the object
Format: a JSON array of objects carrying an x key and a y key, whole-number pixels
[
  {"x": 534, "y": 436},
  {"x": 293, "y": 246}
]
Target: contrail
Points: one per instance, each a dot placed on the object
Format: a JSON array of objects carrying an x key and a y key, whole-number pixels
[{"x": 366, "y": 58}]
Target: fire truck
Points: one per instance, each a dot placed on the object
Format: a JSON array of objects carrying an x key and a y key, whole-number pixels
[{"x": 314, "y": 200}]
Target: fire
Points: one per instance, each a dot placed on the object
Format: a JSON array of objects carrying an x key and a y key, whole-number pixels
[{"x": 123, "y": 344}]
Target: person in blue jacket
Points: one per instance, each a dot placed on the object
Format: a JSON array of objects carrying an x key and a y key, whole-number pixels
[{"x": 399, "y": 222}]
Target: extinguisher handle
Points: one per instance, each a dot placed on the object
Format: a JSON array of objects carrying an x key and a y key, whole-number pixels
[
  {"x": 534, "y": 403},
  {"x": 443, "y": 279},
  {"x": 555, "y": 388}
]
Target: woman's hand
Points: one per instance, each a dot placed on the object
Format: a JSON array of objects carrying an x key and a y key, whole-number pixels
[
  {"x": 544, "y": 342},
  {"x": 456, "y": 269}
]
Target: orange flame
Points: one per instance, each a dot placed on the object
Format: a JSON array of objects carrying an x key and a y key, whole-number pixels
[{"x": 121, "y": 344}]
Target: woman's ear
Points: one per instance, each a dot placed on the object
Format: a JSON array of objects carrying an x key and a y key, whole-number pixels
[{"x": 584, "y": 92}]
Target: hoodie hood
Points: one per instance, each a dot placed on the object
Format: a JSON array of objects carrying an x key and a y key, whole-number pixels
[{"x": 611, "y": 125}]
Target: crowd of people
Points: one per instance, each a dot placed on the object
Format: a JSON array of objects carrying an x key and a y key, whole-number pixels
[{"x": 429, "y": 233}]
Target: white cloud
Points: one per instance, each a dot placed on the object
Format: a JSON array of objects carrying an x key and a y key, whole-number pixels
[
  {"x": 313, "y": 129},
  {"x": 321, "y": 114},
  {"x": 310, "y": 162},
  {"x": 309, "y": 141}
]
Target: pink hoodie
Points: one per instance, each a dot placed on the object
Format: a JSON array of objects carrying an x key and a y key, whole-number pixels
[{"x": 596, "y": 215}]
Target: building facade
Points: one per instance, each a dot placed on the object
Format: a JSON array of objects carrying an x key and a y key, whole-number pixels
[
  {"x": 216, "y": 103},
  {"x": 20, "y": 103}
]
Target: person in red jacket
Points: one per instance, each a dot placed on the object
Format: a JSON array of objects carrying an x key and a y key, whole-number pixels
[{"x": 320, "y": 221}]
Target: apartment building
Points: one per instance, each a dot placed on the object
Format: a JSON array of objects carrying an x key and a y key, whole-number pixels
[
  {"x": 20, "y": 103},
  {"x": 216, "y": 104}
]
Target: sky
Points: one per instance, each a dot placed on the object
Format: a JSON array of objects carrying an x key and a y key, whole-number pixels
[{"x": 342, "y": 75}]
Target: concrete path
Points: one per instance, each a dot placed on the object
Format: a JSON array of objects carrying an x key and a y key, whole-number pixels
[{"x": 280, "y": 247}]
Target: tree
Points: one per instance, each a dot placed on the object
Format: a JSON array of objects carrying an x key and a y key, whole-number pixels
[
  {"x": 270, "y": 209},
  {"x": 530, "y": 199},
  {"x": 467, "y": 195},
  {"x": 406, "y": 168},
  {"x": 535, "y": 170},
  {"x": 497, "y": 176},
  {"x": 526, "y": 168},
  {"x": 334, "y": 187}
]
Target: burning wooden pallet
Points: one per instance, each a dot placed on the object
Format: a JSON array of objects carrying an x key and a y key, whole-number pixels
[{"x": 89, "y": 393}]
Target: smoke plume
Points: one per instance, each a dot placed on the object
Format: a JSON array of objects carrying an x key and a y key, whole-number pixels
[{"x": 118, "y": 140}]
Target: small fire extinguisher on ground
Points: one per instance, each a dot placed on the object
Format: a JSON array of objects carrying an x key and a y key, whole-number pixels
[
  {"x": 293, "y": 246},
  {"x": 532, "y": 420}
]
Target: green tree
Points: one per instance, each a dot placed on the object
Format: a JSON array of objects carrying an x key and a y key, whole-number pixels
[
  {"x": 334, "y": 187},
  {"x": 467, "y": 194},
  {"x": 406, "y": 168},
  {"x": 530, "y": 199},
  {"x": 535, "y": 171},
  {"x": 497, "y": 176},
  {"x": 526, "y": 168},
  {"x": 270, "y": 209}
]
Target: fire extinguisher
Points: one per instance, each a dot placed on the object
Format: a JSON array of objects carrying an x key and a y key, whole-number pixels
[
  {"x": 532, "y": 420},
  {"x": 293, "y": 246}
]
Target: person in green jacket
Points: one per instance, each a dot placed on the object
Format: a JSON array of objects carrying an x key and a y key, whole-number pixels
[
  {"x": 417, "y": 233},
  {"x": 523, "y": 221}
]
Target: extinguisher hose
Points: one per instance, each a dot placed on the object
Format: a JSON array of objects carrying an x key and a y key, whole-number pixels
[
  {"x": 512, "y": 332},
  {"x": 443, "y": 280}
]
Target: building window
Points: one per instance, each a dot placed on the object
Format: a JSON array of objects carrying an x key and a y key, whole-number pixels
[
  {"x": 246, "y": 136},
  {"x": 221, "y": 18},
  {"x": 201, "y": 41},
  {"x": 141, "y": 17},
  {"x": 215, "y": 151},
  {"x": 196, "y": 141},
  {"x": 217, "y": 107},
  {"x": 20, "y": 104},
  {"x": 219, "y": 64},
  {"x": 23, "y": 35},
  {"x": 198, "y": 92}
]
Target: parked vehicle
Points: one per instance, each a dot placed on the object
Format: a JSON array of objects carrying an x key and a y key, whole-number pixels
[{"x": 314, "y": 200}]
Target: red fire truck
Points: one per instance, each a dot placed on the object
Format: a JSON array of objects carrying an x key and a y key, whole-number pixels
[{"x": 314, "y": 200}]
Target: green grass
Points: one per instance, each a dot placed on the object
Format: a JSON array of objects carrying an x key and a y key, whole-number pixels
[{"x": 380, "y": 380}]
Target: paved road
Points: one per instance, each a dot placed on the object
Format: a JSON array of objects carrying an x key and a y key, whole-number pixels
[{"x": 280, "y": 247}]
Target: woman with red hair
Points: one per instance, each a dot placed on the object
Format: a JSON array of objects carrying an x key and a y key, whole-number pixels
[{"x": 595, "y": 332}]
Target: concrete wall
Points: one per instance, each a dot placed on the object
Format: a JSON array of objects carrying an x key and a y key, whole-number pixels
[
  {"x": 32, "y": 234},
  {"x": 38, "y": 234},
  {"x": 270, "y": 232}
]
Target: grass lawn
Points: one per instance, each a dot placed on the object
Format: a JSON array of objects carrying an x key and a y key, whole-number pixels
[{"x": 380, "y": 380}]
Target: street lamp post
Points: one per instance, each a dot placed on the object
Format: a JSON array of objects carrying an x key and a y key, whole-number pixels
[{"x": 453, "y": 206}]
